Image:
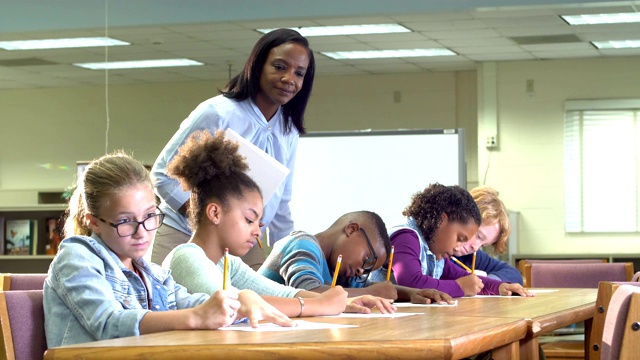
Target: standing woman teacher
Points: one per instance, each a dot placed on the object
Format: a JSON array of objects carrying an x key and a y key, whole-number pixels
[{"x": 265, "y": 104}]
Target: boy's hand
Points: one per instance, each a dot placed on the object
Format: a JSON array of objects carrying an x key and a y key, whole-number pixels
[{"x": 364, "y": 303}]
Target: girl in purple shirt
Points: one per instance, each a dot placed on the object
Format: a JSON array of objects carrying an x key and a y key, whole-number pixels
[{"x": 438, "y": 219}]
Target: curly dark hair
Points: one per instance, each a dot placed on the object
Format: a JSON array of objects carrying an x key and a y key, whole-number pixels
[
  {"x": 247, "y": 83},
  {"x": 210, "y": 167},
  {"x": 427, "y": 207}
]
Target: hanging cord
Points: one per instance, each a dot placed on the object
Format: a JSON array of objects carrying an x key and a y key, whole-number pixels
[
  {"x": 484, "y": 181},
  {"x": 106, "y": 75}
]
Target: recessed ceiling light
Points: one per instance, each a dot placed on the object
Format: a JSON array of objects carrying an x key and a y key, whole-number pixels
[
  {"x": 593, "y": 19},
  {"x": 139, "y": 64},
  {"x": 617, "y": 44},
  {"x": 346, "y": 29},
  {"x": 379, "y": 54},
  {"x": 60, "y": 43}
]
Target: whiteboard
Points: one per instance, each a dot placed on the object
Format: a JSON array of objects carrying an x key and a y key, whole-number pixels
[{"x": 339, "y": 172}]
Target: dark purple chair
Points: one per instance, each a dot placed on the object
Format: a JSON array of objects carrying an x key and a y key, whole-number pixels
[
  {"x": 22, "y": 324},
  {"x": 23, "y": 281},
  {"x": 583, "y": 275}
]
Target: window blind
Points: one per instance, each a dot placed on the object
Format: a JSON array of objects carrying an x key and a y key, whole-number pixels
[{"x": 601, "y": 166}]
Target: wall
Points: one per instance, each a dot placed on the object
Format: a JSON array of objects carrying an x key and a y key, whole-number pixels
[
  {"x": 528, "y": 167},
  {"x": 45, "y": 131},
  {"x": 61, "y": 126}
]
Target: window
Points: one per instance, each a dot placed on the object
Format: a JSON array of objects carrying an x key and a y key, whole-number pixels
[{"x": 601, "y": 166}]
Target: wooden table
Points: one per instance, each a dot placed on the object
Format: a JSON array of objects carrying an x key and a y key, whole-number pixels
[
  {"x": 410, "y": 337},
  {"x": 544, "y": 313},
  {"x": 509, "y": 326}
]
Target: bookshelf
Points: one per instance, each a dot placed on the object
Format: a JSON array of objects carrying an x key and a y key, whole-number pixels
[{"x": 39, "y": 262}]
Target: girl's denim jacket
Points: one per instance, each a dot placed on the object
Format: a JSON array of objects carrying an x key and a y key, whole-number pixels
[
  {"x": 90, "y": 295},
  {"x": 428, "y": 263}
]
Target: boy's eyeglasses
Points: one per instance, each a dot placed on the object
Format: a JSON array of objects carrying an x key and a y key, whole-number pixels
[
  {"x": 369, "y": 262},
  {"x": 129, "y": 228}
]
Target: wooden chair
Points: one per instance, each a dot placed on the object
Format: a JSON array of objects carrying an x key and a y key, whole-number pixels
[
  {"x": 22, "y": 325},
  {"x": 22, "y": 281},
  {"x": 562, "y": 274},
  {"x": 606, "y": 289},
  {"x": 621, "y": 334}
]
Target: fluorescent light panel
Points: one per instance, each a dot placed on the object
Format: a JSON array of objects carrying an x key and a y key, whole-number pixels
[
  {"x": 617, "y": 44},
  {"x": 379, "y": 54},
  {"x": 139, "y": 64},
  {"x": 60, "y": 43},
  {"x": 346, "y": 29},
  {"x": 594, "y": 19}
]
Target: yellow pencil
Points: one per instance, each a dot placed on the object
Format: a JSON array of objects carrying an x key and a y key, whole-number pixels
[
  {"x": 259, "y": 242},
  {"x": 461, "y": 264},
  {"x": 390, "y": 264},
  {"x": 335, "y": 274},
  {"x": 473, "y": 263},
  {"x": 225, "y": 275}
]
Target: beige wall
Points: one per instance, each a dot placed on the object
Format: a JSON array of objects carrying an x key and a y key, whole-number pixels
[
  {"x": 528, "y": 167},
  {"x": 60, "y": 126}
]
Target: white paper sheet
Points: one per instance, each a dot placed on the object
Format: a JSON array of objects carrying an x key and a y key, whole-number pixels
[
  {"x": 300, "y": 325},
  {"x": 265, "y": 170},
  {"x": 406, "y": 304},
  {"x": 372, "y": 315}
]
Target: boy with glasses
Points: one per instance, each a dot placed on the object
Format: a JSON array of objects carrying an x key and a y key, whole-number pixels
[{"x": 308, "y": 261}]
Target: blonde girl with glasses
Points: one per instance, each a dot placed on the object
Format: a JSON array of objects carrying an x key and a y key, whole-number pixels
[{"x": 99, "y": 286}]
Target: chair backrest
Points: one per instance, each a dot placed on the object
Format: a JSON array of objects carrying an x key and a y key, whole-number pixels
[
  {"x": 606, "y": 290},
  {"x": 22, "y": 324},
  {"x": 621, "y": 325},
  {"x": 582, "y": 275},
  {"x": 523, "y": 265},
  {"x": 22, "y": 281}
]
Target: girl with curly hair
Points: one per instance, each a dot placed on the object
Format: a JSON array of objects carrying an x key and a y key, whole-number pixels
[
  {"x": 225, "y": 212},
  {"x": 437, "y": 220}
]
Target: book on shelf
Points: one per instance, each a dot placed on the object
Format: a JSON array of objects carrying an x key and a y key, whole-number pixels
[
  {"x": 53, "y": 240},
  {"x": 20, "y": 237}
]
